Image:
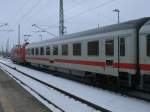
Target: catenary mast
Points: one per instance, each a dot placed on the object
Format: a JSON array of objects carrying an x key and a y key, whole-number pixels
[
  {"x": 19, "y": 35},
  {"x": 61, "y": 19}
]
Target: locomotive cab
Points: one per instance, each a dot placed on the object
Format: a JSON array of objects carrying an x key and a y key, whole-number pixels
[{"x": 18, "y": 53}]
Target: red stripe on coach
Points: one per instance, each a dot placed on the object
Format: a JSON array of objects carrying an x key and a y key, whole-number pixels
[
  {"x": 93, "y": 63},
  {"x": 125, "y": 65},
  {"x": 145, "y": 67}
]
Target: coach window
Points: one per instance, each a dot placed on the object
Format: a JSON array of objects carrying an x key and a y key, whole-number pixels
[
  {"x": 148, "y": 45},
  {"x": 77, "y": 49},
  {"x": 47, "y": 50},
  {"x": 93, "y": 48},
  {"x": 36, "y": 51},
  {"x": 32, "y": 51},
  {"x": 122, "y": 46},
  {"x": 42, "y": 51},
  {"x": 65, "y": 49},
  {"x": 55, "y": 50},
  {"x": 109, "y": 48}
]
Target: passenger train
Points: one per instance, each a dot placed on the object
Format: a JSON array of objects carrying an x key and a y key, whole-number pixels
[{"x": 119, "y": 52}]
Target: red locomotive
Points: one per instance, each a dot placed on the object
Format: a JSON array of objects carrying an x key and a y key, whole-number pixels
[{"x": 18, "y": 53}]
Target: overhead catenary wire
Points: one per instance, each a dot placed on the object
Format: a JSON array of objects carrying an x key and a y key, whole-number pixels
[
  {"x": 69, "y": 18},
  {"x": 83, "y": 12},
  {"x": 77, "y": 4},
  {"x": 87, "y": 11},
  {"x": 91, "y": 9},
  {"x": 30, "y": 10},
  {"x": 44, "y": 30},
  {"x": 22, "y": 6}
]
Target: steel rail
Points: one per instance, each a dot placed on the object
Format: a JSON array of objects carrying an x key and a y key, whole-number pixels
[{"x": 33, "y": 90}]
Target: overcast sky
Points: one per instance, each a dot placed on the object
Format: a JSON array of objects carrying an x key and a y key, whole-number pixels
[{"x": 79, "y": 15}]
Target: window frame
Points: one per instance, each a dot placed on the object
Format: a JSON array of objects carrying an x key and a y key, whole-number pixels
[
  {"x": 42, "y": 51},
  {"x": 122, "y": 47},
  {"x": 90, "y": 48},
  {"x": 75, "y": 50},
  {"x": 111, "y": 52},
  {"x": 65, "y": 49},
  {"x": 48, "y": 50},
  {"x": 36, "y": 51},
  {"x": 55, "y": 47},
  {"x": 148, "y": 45}
]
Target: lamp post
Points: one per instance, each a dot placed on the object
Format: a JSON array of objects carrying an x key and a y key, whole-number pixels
[{"x": 118, "y": 13}]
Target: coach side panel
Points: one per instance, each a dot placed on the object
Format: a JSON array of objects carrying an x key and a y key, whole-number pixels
[{"x": 101, "y": 62}]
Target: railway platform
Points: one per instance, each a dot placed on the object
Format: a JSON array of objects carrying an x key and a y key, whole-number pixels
[{"x": 14, "y": 98}]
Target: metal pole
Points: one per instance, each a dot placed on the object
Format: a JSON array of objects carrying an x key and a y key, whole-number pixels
[
  {"x": 2, "y": 50},
  {"x": 98, "y": 20},
  {"x": 61, "y": 19},
  {"x": 19, "y": 35},
  {"x": 118, "y": 16}
]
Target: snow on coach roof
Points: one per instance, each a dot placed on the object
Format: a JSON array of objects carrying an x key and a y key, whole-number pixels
[{"x": 122, "y": 26}]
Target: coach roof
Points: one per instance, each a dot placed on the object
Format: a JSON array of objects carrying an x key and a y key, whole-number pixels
[{"x": 116, "y": 27}]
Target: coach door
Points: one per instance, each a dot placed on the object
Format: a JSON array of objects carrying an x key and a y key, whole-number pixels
[{"x": 109, "y": 53}]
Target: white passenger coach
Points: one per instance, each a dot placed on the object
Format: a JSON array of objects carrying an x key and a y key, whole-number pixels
[{"x": 118, "y": 52}]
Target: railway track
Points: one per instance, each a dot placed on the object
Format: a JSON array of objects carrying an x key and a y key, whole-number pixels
[
  {"x": 130, "y": 92},
  {"x": 134, "y": 93},
  {"x": 76, "y": 98}
]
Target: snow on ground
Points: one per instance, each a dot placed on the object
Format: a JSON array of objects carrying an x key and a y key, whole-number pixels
[
  {"x": 62, "y": 101},
  {"x": 103, "y": 98},
  {"x": 51, "y": 107}
]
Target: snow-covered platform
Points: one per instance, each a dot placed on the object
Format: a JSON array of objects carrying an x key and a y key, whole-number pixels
[{"x": 14, "y": 98}]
